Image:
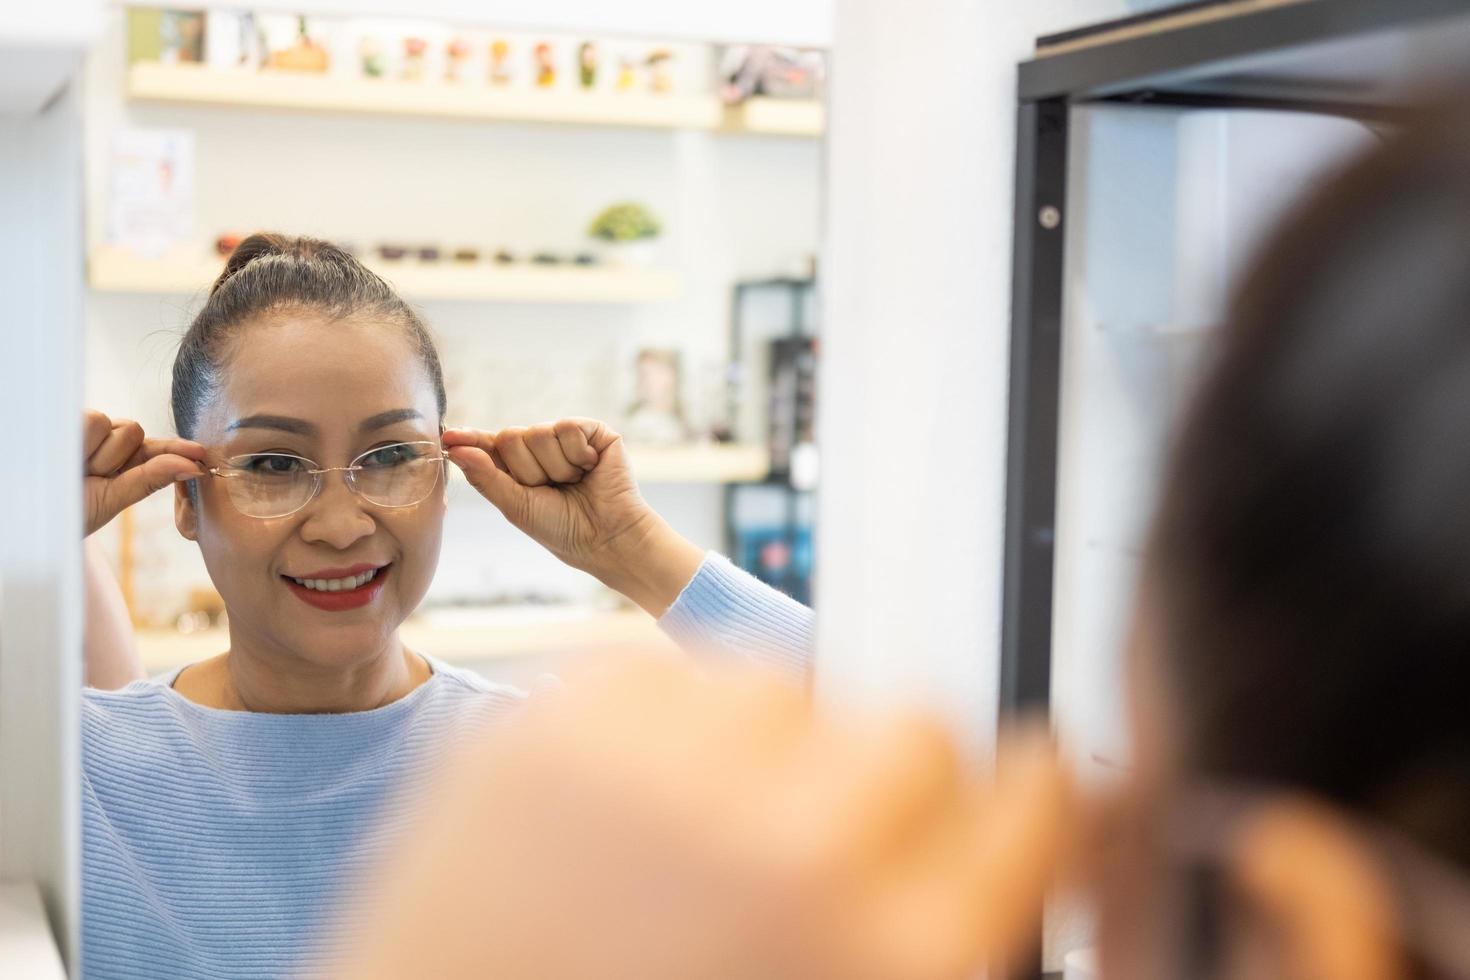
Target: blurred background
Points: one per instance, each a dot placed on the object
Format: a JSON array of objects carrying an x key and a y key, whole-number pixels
[{"x": 593, "y": 221}]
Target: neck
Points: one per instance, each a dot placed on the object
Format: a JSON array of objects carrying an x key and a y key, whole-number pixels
[{"x": 261, "y": 677}]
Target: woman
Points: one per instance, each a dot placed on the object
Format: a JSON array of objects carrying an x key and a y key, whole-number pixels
[
  {"x": 225, "y": 804},
  {"x": 1300, "y": 673}
]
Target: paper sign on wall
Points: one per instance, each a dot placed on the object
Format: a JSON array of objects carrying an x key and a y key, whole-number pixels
[{"x": 150, "y": 205}]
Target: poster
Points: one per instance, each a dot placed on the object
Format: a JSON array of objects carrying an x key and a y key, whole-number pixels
[{"x": 150, "y": 204}]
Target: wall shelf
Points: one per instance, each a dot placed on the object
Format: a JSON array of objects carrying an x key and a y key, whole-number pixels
[
  {"x": 776, "y": 117},
  {"x": 118, "y": 270},
  {"x": 200, "y": 85},
  {"x": 717, "y": 463}
]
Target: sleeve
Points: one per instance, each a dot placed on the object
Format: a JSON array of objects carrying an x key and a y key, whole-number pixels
[{"x": 726, "y": 610}]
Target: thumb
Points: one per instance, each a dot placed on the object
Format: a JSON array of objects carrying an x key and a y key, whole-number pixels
[
  {"x": 500, "y": 488},
  {"x": 137, "y": 482},
  {"x": 611, "y": 453}
]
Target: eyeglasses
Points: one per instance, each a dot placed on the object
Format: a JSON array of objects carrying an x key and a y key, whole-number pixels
[
  {"x": 1433, "y": 895},
  {"x": 268, "y": 485}
]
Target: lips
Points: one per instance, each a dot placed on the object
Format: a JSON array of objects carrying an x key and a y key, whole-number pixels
[{"x": 339, "y": 589}]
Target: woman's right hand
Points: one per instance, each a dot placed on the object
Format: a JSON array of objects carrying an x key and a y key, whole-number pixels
[{"x": 122, "y": 465}]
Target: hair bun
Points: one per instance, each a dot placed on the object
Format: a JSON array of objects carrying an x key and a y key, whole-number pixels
[{"x": 252, "y": 248}]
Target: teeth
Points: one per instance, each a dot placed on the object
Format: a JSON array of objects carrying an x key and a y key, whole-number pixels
[{"x": 337, "y": 584}]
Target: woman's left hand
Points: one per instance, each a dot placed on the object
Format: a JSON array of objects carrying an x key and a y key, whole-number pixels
[{"x": 568, "y": 485}]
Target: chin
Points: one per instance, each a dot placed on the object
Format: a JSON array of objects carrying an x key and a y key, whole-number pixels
[{"x": 346, "y": 645}]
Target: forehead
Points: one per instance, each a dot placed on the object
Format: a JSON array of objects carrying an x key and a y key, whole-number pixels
[{"x": 332, "y": 373}]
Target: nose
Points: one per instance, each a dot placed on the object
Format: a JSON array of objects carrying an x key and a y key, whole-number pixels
[{"x": 337, "y": 517}]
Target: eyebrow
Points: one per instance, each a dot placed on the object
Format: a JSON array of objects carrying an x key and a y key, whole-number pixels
[
  {"x": 279, "y": 422},
  {"x": 384, "y": 419},
  {"x": 301, "y": 427}
]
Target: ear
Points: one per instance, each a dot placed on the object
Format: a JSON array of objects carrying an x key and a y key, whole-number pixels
[
  {"x": 186, "y": 515},
  {"x": 1314, "y": 878}
]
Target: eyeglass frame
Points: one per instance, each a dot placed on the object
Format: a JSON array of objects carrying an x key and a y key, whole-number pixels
[
  {"x": 1433, "y": 896},
  {"x": 318, "y": 473}
]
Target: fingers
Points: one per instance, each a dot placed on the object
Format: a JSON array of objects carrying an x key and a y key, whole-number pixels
[
  {"x": 598, "y": 435},
  {"x": 135, "y": 483},
  {"x": 175, "y": 447},
  {"x": 1017, "y": 842},
  {"x": 95, "y": 428},
  {"x": 465, "y": 436},
  {"x": 576, "y": 443},
  {"x": 115, "y": 449},
  {"x": 560, "y": 452},
  {"x": 511, "y": 445},
  {"x": 490, "y": 479},
  {"x": 545, "y": 444}
]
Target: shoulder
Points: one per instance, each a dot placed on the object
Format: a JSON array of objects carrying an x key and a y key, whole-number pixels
[
  {"x": 457, "y": 683},
  {"x": 466, "y": 683},
  {"x": 135, "y": 722},
  {"x": 140, "y": 697}
]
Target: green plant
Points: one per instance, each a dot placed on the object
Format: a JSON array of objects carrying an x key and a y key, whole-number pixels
[{"x": 625, "y": 222}]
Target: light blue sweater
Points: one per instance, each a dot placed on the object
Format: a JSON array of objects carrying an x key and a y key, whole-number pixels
[{"x": 216, "y": 844}]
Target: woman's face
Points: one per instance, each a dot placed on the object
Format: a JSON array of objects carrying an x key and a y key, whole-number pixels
[{"x": 327, "y": 391}]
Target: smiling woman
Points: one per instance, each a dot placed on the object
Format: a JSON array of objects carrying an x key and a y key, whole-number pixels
[{"x": 226, "y": 804}]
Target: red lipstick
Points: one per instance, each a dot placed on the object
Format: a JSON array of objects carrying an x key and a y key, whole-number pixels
[{"x": 344, "y": 599}]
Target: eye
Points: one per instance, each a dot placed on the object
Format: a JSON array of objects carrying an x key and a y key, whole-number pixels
[
  {"x": 272, "y": 464},
  {"x": 395, "y": 455}
]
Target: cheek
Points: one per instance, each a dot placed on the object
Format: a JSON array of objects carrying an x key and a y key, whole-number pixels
[
  {"x": 235, "y": 547},
  {"x": 419, "y": 534}
]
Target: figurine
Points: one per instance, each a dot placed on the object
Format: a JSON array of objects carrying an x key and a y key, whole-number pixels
[
  {"x": 392, "y": 253},
  {"x": 504, "y": 257},
  {"x": 627, "y": 74},
  {"x": 456, "y": 64},
  {"x": 660, "y": 70},
  {"x": 466, "y": 255},
  {"x": 414, "y": 49},
  {"x": 587, "y": 63},
  {"x": 545, "y": 66},
  {"x": 374, "y": 58},
  {"x": 304, "y": 54},
  {"x": 428, "y": 253},
  {"x": 500, "y": 62}
]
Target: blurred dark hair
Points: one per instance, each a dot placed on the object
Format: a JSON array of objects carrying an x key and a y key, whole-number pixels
[
  {"x": 267, "y": 274},
  {"x": 1312, "y": 550}
]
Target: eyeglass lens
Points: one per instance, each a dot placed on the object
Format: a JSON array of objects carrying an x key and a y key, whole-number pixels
[{"x": 277, "y": 484}]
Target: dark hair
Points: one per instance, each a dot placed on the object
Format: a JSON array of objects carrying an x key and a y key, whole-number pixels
[
  {"x": 1311, "y": 555},
  {"x": 270, "y": 273}
]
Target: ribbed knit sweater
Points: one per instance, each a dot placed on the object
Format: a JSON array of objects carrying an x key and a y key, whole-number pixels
[{"x": 218, "y": 844}]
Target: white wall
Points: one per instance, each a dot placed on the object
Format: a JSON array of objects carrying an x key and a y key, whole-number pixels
[
  {"x": 913, "y": 384},
  {"x": 41, "y": 47}
]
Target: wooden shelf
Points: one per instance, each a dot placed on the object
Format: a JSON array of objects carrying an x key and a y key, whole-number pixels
[
  {"x": 200, "y": 85},
  {"x": 716, "y": 463},
  {"x": 118, "y": 270},
  {"x": 457, "y": 636},
  {"x": 777, "y": 117}
]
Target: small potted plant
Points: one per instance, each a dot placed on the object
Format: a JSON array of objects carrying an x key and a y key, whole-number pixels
[{"x": 627, "y": 232}]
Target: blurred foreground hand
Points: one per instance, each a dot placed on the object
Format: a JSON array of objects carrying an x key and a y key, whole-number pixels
[{"x": 654, "y": 823}]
